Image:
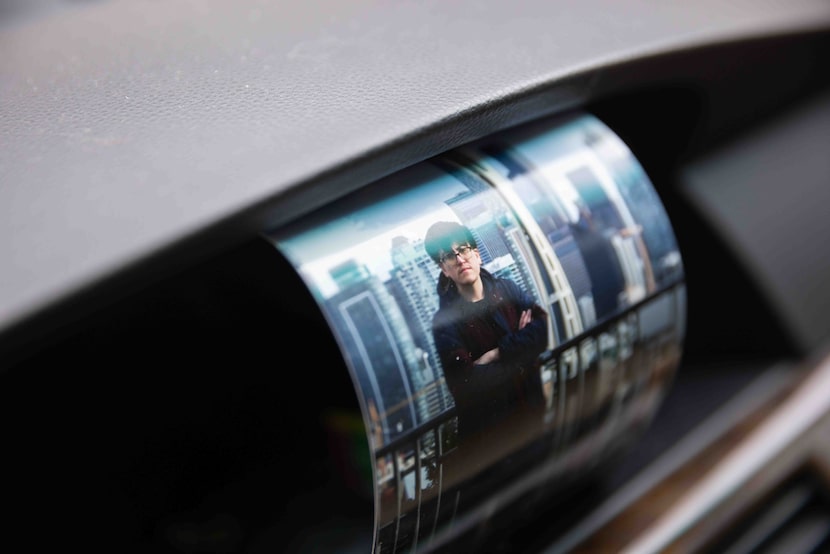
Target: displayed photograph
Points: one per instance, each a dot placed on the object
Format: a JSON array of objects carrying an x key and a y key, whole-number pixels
[{"x": 509, "y": 312}]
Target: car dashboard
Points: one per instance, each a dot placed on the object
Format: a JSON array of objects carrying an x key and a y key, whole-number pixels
[{"x": 174, "y": 381}]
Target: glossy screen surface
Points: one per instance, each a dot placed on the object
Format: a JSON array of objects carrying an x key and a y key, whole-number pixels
[{"x": 475, "y": 396}]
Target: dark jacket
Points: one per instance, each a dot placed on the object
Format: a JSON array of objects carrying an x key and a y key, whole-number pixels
[{"x": 463, "y": 331}]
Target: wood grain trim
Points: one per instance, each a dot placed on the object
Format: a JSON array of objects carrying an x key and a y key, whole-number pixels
[{"x": 694, "y": 504}]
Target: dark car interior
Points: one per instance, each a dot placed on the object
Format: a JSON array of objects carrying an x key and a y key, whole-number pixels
[{"x": 182, "y": 402}]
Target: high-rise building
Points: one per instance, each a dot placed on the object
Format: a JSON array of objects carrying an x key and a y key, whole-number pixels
[{"x": 378, "y": 346}]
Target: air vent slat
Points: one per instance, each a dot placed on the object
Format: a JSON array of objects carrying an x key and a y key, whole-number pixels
[{"x": 795, "y": 519}]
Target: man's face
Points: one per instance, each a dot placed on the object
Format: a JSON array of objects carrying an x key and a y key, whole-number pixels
[{"x": 462, "y": 264}]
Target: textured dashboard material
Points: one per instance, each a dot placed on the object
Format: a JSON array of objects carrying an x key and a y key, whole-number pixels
[{"x": 130, "y": 128}]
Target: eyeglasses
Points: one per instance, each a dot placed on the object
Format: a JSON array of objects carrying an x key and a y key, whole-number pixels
[{"x": 450, "y": 258}]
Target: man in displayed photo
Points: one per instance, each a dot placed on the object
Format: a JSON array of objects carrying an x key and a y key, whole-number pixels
[{"x": 489, "y": 334}]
